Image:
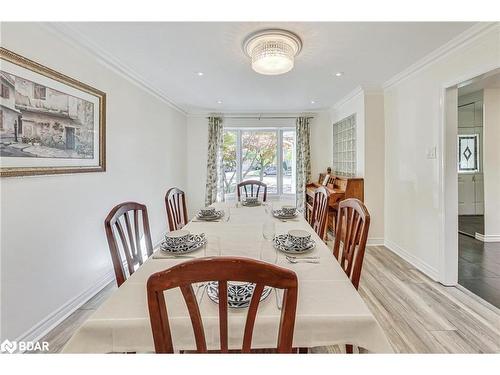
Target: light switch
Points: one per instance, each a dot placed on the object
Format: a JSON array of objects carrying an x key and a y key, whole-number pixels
[{"x": 431, "y": 153}]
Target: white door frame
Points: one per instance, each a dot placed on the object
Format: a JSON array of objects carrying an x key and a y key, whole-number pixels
[{"x": 448, "y": 176}]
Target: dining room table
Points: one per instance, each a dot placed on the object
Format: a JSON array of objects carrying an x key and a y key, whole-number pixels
[{"x": 329, "y": 309}]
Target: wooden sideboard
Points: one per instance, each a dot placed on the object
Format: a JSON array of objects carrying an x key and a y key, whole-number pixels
[{"x": 340, "y": 188}]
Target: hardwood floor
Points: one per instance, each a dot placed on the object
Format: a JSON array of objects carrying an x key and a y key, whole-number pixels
[
  {"x": 417, "y": 314},
  {"x": 479, "y": 268},
  {"x": 471, "y": 224}
]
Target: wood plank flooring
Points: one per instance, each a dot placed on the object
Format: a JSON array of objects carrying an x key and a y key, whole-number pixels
[
  {"x": 479, "y": 268},
  {"x": 471, "y": 224},
  {"x": 417, "y": 314}
]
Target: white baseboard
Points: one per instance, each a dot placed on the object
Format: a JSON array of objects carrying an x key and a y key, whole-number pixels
[
  {"x": 487, "y": 237},
  {"x": 375, "y": 241},
  {"x": 43, "y": 327},
  {"x": 410, "y": 258}
]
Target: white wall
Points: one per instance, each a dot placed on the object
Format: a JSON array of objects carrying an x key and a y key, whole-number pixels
[
  {"x": 413, "y": 122},
  {"x": 321, "y": 143},
  {"x": 491, "y": 158},
  {"x": 374, "y": 164},
  {"x": 53, "y": 244},
  {"x": 368, "y": 106},
  {"x": 196, "y": 158}
]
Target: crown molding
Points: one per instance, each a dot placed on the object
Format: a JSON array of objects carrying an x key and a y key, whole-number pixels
[
  {"x": 362, "y": 89},
  {"x": 354, "y": 93},
  {"x": 75, "y": 37},
  {"x": 468, "y": 36},
  {"x": 253, "y": 114}
]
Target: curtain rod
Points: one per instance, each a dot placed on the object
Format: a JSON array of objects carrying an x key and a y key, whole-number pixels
[{"x": 261, "y": 117}]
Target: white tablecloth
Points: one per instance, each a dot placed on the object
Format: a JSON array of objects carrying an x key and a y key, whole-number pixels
[{"x": 330, "y": 311}]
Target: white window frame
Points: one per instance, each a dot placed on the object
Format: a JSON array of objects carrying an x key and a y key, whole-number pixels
[{"x": 279, "y": 162}]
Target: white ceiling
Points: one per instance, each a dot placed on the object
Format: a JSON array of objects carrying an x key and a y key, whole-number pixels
[{"x": 167, "y": 56}]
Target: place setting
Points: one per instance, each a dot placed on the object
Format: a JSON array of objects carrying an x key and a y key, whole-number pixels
[
  {"x": 239, "y": 294},
  {"x": 294, "y": 244},
  {"x": 210, "y": 214},
  {"x": 178, "y": 243},
  {"x": 286, "y": 213},
  {"x": 251, "y": 202}
]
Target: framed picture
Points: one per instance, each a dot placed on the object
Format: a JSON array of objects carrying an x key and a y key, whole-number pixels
[
  {"x": 468, "y": 153},
  {"x": 49, "y": 123}
]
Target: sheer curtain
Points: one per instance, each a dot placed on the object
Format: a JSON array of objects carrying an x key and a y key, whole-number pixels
[
  {"x": 303, "y": 159},
  {"x": 215, "y": 174}
]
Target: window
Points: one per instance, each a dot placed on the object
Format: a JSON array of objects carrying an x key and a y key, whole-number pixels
[
  {"x": 40, "y": 92},
  {"x": 5, "y": 92},
  {"x": 266, "y": 155},
  {"x": 344, "y": 146},
  {"x": 468, "y": 152}
]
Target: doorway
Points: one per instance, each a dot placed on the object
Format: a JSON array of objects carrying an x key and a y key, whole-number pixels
[
  {"x": 478, "y": 185},
  {"x": 470, "y": 161}
]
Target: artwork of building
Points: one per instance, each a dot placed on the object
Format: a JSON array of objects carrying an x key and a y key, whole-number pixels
[{"x": 37, "y": 115}]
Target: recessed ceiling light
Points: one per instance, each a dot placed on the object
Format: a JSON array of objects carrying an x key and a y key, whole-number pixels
[
  {"x": 338, "y": 74},
  {"x": 199, "y": 74},
  {"x": 313, "y": 102},
  {"x": 219, "y": 101}
]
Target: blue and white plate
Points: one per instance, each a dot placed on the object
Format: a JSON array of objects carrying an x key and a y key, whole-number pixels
[
  {"x": 239, "y": 295},
  {"x": 282, "y": 243},
  {"x": 194, "y": 242}
]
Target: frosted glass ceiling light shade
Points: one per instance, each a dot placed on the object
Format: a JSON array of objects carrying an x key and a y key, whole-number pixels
[{"x": 272, "y": 51}]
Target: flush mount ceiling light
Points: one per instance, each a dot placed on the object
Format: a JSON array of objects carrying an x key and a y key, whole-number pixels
[{"x": 272, "y": 51}]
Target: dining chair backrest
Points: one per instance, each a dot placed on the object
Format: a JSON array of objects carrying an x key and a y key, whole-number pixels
[
  {"x": 221, "y": 269},
  {"x": 320, "y": 211},
  {"x": 252, "y": 188},
  {"x": 351, "y": 234},
  {"x": 126, "y": 225},
  {"x": 175, "y": 202}
]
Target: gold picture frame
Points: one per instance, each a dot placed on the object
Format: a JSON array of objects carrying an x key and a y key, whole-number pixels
[{"x": 75, "y": 157}]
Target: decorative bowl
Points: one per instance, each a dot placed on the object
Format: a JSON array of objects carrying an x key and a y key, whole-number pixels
[
  {"x": 299, "y": 237},
  {"x": 176, "y": 238},
  {"x": 207, "y": 211},
  {"x": 289, "y": 210},
  {"x": 239, "y": 294}
]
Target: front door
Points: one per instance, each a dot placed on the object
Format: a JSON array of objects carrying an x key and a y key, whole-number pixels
[{"x": 70, "y": 138}]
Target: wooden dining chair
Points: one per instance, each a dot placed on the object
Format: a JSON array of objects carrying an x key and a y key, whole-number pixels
[
  {"x": 351, "y": 234},
  {"x": 221, "y": 269},
  {"x": 320, "y": 211},
  {"x": 252, "y": 188},
  {"x": 175, "y": 202},
  {"x": 125, "y": 244}
]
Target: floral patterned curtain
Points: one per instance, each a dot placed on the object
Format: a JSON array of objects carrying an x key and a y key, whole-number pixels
[
  {"x": 215, "y": 177},
  {"x": 303, "y": 159}
]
